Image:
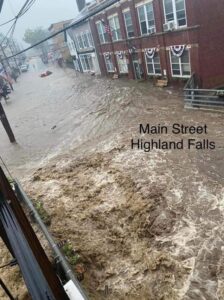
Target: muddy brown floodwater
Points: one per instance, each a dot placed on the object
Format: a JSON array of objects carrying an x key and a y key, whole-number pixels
[{"x": 146, "y": 225}]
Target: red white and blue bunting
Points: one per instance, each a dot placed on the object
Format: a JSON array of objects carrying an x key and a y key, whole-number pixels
[
  {"x": 107, "y": 55},
  {"x": 132, "y": 50},
  {"x": 178, "y": 50},
  {"x": 150, "y": 53},
  {"x": 120, "y": 54}
]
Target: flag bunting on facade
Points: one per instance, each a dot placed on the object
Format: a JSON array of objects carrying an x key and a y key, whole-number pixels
[
  {"x": 178, "y": 50},
  {"x": 107, "y": 55},
  {"x": 150, "y": 52},
  {"x": 132, "y": 50},
  {"x": 106, "y": 27},
  {"x": 120, "y": 54}
]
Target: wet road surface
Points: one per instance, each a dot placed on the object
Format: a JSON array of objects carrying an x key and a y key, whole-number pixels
[{"x": 147, "y": 225}]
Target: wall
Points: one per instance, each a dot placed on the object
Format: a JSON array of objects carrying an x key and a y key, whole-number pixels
[
  {"x": 187, "y": 36},
  {"x": 211, "y": 42}
]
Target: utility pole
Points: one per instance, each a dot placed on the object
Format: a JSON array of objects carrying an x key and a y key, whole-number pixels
[
  {"x": 4, "y": 55},
  {"x": 6, "y": 124},
  {"x": 11, "y": 49}
]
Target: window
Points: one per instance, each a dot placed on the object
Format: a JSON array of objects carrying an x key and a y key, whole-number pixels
[
  {"x": 128, "y": 24},
  {"x": 146, "y": 17},
  {"x": 109, "y": 63},
  {"x": 153, "y": 64},
  {"x": 115, "y": 28},
  {"x": 122, "y": 64},
  {"x": 175, "y": 11},
  {"x": 90, "y": 39},
  {"x": 181, "y": 65},
  {"x": 80, "y": 42},
  {"x": 86, "y": 62},
  {"x": 103, "y": 35},
  {"x": 85, "y": 40}
]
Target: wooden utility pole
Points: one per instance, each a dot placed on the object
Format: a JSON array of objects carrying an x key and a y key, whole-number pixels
[{"x": 6, "y": 124}]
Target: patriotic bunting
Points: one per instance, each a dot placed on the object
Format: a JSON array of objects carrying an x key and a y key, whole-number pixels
[
  {"x": 178, "y": 50},
  {"x": 150, "y": 52},
  {"x": 120, "y": 54},
  {"x": 107, "y": 55},
  {"x": 132, "y": 50}
]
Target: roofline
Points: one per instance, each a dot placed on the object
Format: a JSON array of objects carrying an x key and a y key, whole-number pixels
[{"x": 94, "y": 11}]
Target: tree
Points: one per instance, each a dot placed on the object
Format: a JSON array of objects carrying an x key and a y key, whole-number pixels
[{"x": 34, "y": 36}]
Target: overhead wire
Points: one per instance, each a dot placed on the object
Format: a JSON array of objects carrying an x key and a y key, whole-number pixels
[
  {"x": 24, "y": 9},
  {"x": 79, "y": 21}
]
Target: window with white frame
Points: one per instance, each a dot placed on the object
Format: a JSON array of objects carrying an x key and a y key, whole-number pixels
[
  {"x": 84, "y": 40},
  {"x": 90, "y": 39},
  {"x": 175, "y": 11},
  {"x": 128, "y": 24},
  {"x": 122, "y": 63},
  {"x": 103, "y": 35},
  {"x": 109, "y": 63},
  {"x": 80, "y": 42},
  {"x": 86, "y": 62},
  {"x": 181, "y": 66},
  {"x": 146, "y": 17},
  {"x": 153, "y": 64},
  {"x": 115, "y": 28}
]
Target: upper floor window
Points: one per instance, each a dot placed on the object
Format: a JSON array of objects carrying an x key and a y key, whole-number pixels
[
  {"x": 115, "y": 28},
  {"x": 175, "y": 11},
  {"x": 90, "y": 39},
  {"x": 80, "y": 42},
  {"x": 146, "y": 18},
  {"x": 84, "y": 40},
  {"x": 103, "y": 35},
  {"x": 128, "y": 24}
]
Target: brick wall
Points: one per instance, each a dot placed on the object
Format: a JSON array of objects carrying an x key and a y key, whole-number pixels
[{"x": 205, "y": 19}]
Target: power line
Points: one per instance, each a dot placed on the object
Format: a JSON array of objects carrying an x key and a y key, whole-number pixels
[
  {"x": 7, "y": 22},
  {"x": 26, "y": 6},
  {"x": 102, "y": 7}
]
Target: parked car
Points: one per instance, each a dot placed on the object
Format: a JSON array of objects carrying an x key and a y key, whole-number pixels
[{"x": 24, "y": 68}]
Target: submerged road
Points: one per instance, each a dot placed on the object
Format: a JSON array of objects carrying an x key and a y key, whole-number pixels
[{"x": 34, "y": 110}]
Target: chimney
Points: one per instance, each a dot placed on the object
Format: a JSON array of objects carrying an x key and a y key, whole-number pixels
[{"x": 81, "y": 4}]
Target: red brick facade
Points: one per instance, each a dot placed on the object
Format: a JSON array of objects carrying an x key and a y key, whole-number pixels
[{"x": 201, "y": 36}]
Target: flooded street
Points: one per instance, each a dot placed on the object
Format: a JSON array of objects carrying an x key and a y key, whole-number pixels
[{"x": 146, "y": 225}]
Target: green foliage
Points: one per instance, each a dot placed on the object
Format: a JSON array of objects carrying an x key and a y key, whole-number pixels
[
  {"x": 42, "y": 212},
  {"x": 72, "y": 257},
  {"x": 34, "y": 36}
]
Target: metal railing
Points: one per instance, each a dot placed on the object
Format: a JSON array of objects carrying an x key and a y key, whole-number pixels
[{"x": 202, "y": 98}]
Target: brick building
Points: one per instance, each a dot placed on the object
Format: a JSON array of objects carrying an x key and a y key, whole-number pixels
[
  {"x": 59, "y": 46},
  {"x": 161, "y": 38}
]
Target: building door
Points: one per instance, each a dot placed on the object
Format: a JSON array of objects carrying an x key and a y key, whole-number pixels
[{"x": 137, "y": 69}]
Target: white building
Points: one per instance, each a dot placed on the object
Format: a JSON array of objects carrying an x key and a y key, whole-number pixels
[{"x": 81, "y": 45}]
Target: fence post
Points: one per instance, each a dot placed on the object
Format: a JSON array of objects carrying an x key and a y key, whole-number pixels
[{"x": 192, "y": 98}]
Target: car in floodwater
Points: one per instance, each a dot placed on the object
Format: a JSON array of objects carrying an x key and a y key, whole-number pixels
[{"x": 24, "y": 68}]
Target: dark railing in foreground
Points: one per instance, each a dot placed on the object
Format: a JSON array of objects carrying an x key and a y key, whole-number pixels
[{"x": 202, "y": 98}]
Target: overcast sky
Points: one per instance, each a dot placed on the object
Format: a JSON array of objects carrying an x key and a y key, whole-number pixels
[{"x": 43, "y": 13}]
